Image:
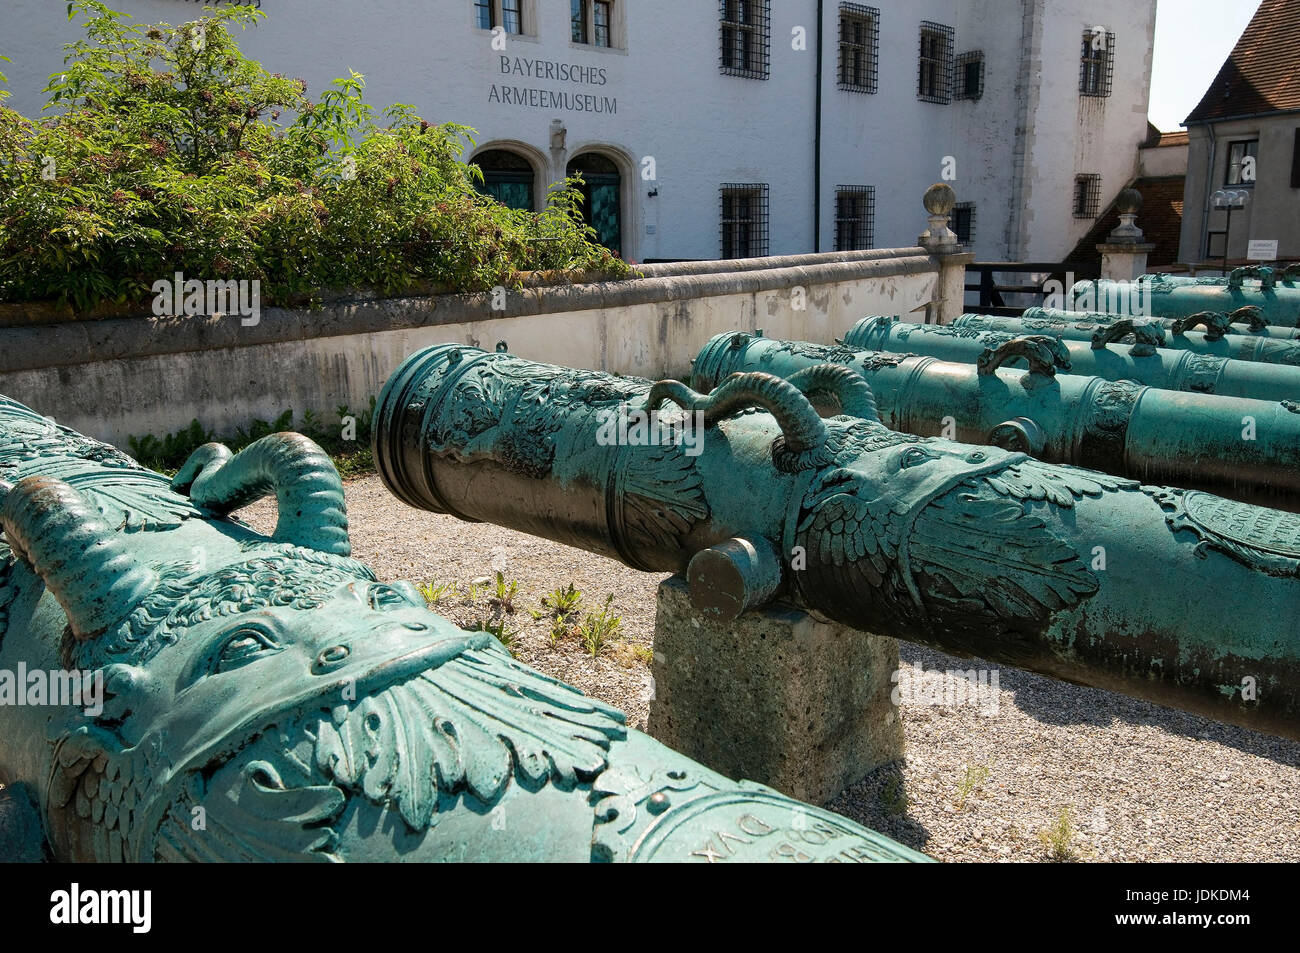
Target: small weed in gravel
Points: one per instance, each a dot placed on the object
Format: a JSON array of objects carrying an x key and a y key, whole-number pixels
[
  {"x": 976, "y": 774},
  {"x": 497, "y": 628},
  {"x": 434, "y": 593},
  {"x": 1058, "y": 837},
  {"x": 600, "y": 627},
  {"x": 504, "y": 593}
]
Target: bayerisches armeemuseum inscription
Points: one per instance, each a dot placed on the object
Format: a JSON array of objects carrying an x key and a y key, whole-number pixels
[{"x": 520, "y": 92}]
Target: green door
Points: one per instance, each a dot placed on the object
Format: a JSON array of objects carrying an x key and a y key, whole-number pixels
[
  {"x": 601, "y": 201},
  {"x": 507, "y": 177}
]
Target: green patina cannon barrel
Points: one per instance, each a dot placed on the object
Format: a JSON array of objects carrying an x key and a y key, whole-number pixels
[
  {"x": 1245, "y": 321},
  {"x": 1070, "y": 326},
  {"x": 188, "y": 689},
  {"x": 973, "y": 549},
  {"x": 1144, "y": 363},
  {"x": 1246, "y": 449},
  {"x": 1165, "y": 296}
]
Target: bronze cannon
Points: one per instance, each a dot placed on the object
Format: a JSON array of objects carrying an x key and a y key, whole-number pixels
[
  {"x": 973, "y": 549},
  {"x": 1169, "y": 296},
  {"x": 1178, "y": 334},
  {"x": 1245, "y": 449},
  {"x": 192, "y": 690},
  {"x": 1142, "y": 362}
]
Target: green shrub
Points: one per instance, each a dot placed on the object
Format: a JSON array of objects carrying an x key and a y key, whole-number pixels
[{"x": 167, "y": 150}]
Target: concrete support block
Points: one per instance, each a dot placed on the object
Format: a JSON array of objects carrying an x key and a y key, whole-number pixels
[
  {"x": 1123, "y": 261},
  {"x": 775, "y": 696}
]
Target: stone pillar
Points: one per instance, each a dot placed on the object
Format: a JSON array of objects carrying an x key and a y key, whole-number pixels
[
  {"x": 1124, "y": 254},
  {"x": 948, "y": 300},
  {"x": 950, "y": 292},
  {"x": 774, "y": 696}
]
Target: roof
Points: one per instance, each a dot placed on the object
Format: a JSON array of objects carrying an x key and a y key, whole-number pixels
[
  {"x": 1168, "y": 139},
  {"x": 1161, "y": 221},
  {"x": 1262, "y": 74}
]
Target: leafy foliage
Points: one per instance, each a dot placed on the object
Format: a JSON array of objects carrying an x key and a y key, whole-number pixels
[
  {"x": 167, "y": 150},
  {"x": 351, "y": 457}
]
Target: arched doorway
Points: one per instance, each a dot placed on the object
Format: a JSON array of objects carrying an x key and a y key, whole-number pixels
[
  {"x": 508, "y": 177},
  {"x": 601, "y": 197}
]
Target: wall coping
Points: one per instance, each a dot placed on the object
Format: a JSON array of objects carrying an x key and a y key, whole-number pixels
[{"x": 30, "y": 345}]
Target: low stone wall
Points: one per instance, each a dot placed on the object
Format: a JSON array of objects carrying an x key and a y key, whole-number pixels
[{"x": 124, "y": 376}]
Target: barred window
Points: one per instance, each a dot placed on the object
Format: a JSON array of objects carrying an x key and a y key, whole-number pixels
[
  {"x": 744, "y": 220},
  {"x": 968, "y": 78},
  {"x": 855, "y": 211},
  {"x": 934, "y": 84},
  {"x": 746, "y": 37},
  {"x": 1087, "y": 195},
  {"x": 484, "y": 14},
  {"x": 1097, "y": 63},
  {"x": 859, "y": 47},
  {"x": 963, "y": 222}
]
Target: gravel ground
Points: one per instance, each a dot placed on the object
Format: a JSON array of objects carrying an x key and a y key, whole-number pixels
[{"x": 1060, "y": 772}]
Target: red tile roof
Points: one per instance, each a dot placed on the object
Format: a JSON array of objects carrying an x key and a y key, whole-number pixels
[
  {"x": 1161, "y": 221},
  {"x": 1172, "y": 139},
  {"x": 1262, "y": 75}
]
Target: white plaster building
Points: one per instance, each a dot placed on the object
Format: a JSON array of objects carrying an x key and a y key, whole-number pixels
[{"x": 1034, "y": 108}]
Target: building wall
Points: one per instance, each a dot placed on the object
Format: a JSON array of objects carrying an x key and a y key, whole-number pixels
[
  {"x": 1271, "y": 213},
  {"x": 703, "y": 128},
  {"x": 1162, "y": 161},
  {"x": 1073, "y": 134}
]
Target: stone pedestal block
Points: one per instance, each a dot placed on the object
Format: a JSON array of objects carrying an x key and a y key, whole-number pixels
[
  {"x": 1123, "y": 261},
  {"x": 775, "y": 696}
]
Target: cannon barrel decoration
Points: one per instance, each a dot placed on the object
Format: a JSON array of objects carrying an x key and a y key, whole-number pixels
[
  {"x": 227, "y": 696},
  {"x": 971, "y": 549},
  {"x": 1177, "y": 334},
  {"x": 1168, "y": 296},
  {"x": 1119, "y": 427},
  {"x": 1141, "y": 362},
  {"x": 1214, "y": 324}
]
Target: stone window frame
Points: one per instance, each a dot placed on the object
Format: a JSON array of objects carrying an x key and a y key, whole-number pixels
[
  {"x": 525, "y": 10},
  {"x": 616, "y": 29}
]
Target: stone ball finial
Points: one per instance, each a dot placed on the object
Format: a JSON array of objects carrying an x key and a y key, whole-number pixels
[
  {"x": 1129, "y": 202},
  {"x": 940, "y": 199}
]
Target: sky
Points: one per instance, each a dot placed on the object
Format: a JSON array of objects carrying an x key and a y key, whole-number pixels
[{"x": 1193, "y": 38}]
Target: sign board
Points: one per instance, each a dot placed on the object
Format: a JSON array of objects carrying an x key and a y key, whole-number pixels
[{"x": 1262, "y": 249}]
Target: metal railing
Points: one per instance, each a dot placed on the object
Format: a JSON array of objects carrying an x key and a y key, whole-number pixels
[{"x": 1010, "y": 297}]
